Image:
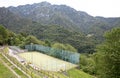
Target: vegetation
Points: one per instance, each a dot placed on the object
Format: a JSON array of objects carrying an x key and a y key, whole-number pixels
[
  {"x": 54, "y": 33},
  {"x": 5, "y": 50},
  {"x": 87, "y": 64},
  {"x": 71, "y": 73},
  {"x": 66, "y": 17},
  {"x": 74, "y": 73},
  {"x": 3, "y": 35},
  {"x": 60, "y": 29},
  {"x": 64, "y": 47},
  {"x": 105, "y": 62},
  {"x": 108, "y": 60},
  {"x": 67, "y": 29},
  {"x": 21, "y": 40},
  {"x": 5, "y": 72},
  {"x": 34, "y": 40},
  {"x": 20, "y": 73}
]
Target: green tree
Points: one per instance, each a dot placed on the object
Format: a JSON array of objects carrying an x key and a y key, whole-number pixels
[
  {"x": 87, "y": 64},
  {"x": 67, "y": 47},
  {"x": 47, "y": 43},
  {"x": 70, "y": 48},
  {"x": 11, "y": 38},
  {"x": 59, "y": 46},
  {"x": 109, "y": 55},
  {"x": 3, "y": 35},
  {"x": 32, "y": 39}
]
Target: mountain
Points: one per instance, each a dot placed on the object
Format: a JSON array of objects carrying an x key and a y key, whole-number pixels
[
  {"x": 58, "y": 23},
  {"x": 46, "y": 13},
  {"x": 12, "y": 21},
  {"x": 53, "y": 33},
  {"x": 65, "y": 16}
]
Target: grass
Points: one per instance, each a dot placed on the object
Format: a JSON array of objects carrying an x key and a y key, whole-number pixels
[
  {"x": 13, "y": 67},
  {"x": 23, "y": 67},
  {"x": 19, "y": 73},
  {"x": 5, "y": 72},
  {"x": 45, "y": 62},
  {"x": 75, "y": 73},
  {"x": 72, "y": 73}
]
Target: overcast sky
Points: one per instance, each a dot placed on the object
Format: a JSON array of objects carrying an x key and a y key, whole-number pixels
[{"x": 105, "y": 8}]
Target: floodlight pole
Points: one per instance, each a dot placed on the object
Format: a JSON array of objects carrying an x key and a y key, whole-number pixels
[
  {"x": 32, "y": 49},
  {"x": 31, "y": 45}
]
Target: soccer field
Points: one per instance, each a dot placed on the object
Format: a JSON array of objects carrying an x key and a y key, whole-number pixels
[{"x": 45, "y": 62}]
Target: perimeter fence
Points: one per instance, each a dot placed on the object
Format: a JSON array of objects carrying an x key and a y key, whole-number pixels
[{"x": 69, "y": 56}]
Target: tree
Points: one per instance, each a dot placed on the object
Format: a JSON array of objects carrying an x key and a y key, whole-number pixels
[
  {"x": 3, "y": 35},
  {"x": 32, "y": 39},
  {"x": 109, "y": 51},
  {"x": 48, "y": 43},
  {"x": 87, "y": 63},
  {"x": 70, "y": 48},
  {"x": 66, "y": 47},
  {"x": 59, "y": 46}
]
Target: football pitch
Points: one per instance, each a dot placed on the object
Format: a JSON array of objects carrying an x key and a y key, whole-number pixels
[{"x": 45, "y": 62}]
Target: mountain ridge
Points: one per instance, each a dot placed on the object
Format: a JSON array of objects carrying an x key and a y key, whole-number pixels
[
  {"x": 62, "y": 15},
  {"x": 58, "y": 23}
]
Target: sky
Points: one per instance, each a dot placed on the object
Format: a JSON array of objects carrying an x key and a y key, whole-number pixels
[{"x": 104, "y": 8}]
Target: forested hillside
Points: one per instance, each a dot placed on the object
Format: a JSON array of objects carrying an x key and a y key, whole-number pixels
[
  {"x": 53, "y": 33},
  {"x": 65, "y": 16},
  {"x": 12, "y": 21},
  {"x": 64, "y": 28},
  {"x": 58, "y": 23}
]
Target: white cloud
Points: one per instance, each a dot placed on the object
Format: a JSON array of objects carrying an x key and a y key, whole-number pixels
[{"x": 106, "y": 8}]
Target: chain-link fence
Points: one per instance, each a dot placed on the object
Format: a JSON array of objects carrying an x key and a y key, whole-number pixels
[{"x": 72, "y": 57}]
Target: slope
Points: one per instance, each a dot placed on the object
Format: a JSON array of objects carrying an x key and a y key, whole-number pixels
[
  {"x": 65, "y": 16},
  {"x": 12, "y": 21}
]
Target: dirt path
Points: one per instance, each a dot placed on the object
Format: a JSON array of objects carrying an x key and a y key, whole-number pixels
[{"x": 10, "y": 68}]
